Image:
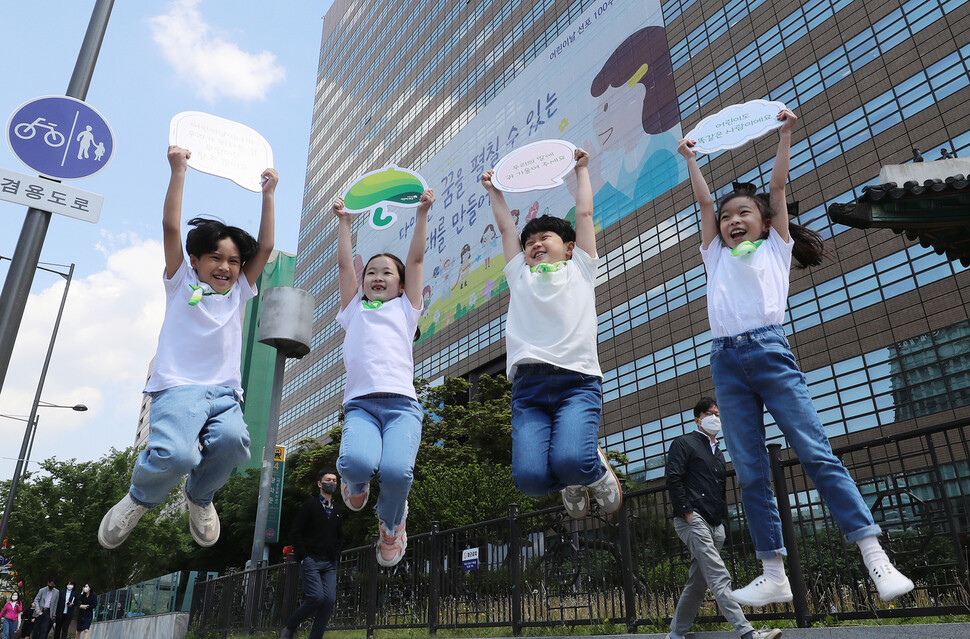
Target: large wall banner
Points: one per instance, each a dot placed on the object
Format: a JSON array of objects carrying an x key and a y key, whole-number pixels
[{"x": 607, "y": 86}]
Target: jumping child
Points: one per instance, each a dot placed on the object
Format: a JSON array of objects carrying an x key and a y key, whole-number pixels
[
  {"x": 747, "y": 248},
  {"x": 382, "y": 416},
  {"x": 195, "y": 383},
  {"x": 557, "y": 384}
]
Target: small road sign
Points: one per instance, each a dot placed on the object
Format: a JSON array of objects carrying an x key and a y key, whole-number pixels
[
  {"x": 60, "y": 137},
  {"x": 46, "y": 195}
]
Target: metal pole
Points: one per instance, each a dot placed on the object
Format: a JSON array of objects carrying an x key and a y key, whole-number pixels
[
  {"x": 32, "y": 419},
  {"x": 800, "y": 602},
  {"x": 30, "y": 447},
  {"x": 20, "y": 277},
  {"x": 269, "y": 451},
  {"x": 515, "y": 570}
]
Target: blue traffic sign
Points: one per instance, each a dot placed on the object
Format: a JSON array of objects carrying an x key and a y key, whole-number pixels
[{"x": 60, "y": 137}]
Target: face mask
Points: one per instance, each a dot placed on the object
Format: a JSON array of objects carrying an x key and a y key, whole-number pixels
[
  {"x": 711, "y": 424},
  {"x": 70, "y": 587},
  {"x": 328, "y": 487},
  {"x": 86, "y": 590},
  {"x": 14, "y": 598},
  {"x": 50, "y": 587}
]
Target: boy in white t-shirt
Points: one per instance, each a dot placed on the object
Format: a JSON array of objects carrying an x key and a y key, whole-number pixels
[
  {"x": 197, "y": 425},
  {"x": 557, "y": 384}
]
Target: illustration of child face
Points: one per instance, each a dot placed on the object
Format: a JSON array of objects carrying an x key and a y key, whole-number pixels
[
  {"x": 466, "y": 253},
  {"x": 617, "y": 122}
]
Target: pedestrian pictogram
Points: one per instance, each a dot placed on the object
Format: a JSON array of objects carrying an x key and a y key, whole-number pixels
[{"x": 60, "y": 137}]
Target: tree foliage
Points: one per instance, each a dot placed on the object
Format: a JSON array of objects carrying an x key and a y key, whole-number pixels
[
  {"x": 54, "y": 526},
  {"x": 463, "y": 468}
]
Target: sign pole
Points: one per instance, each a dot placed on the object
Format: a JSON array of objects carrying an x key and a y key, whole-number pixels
[{"x": 20, "y": 277}]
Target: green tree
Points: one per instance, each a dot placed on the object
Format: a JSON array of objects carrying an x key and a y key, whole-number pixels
[
  {"x": 55, "y": 519},
  {"x": 463, "y": 468}
]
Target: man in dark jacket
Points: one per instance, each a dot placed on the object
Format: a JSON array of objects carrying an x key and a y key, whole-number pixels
[
  {"x": 696, "y": 482},
  {"x": 316, "y": 538},
  {"x": 65, "y": 611}
]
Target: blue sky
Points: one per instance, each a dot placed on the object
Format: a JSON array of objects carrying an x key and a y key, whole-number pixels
[{"x": 251, "y": 62}]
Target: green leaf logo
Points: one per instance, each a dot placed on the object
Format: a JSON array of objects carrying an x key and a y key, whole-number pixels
[{"x": 378, "y": 189}]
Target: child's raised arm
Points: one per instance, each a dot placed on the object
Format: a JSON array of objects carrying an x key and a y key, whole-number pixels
[
  {"x": 267, "y": 228},
  {"x": 414, "y": 267},
  {"x": 346, "y": 275},
  {"x": 585, "y": 229},
  {"x": 503, "y": 218},
  {"x": 178, "y": 158},
  {"x": 702, "y": 193},
  {"x": 779, "y": 176}
]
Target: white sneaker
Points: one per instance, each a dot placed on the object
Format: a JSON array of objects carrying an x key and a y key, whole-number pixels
[
  {"x": 203, "y": 522},
  {"x": 119, "y": 521},
  {"x": 768, "y": 633},
  {"x": 576, "y": 501},
  {"x": 606, "y": 490},
  {"x": 763, "y": 591},
  {"x": 890, "y": 582},
  {"x": 392, "y": 543}
]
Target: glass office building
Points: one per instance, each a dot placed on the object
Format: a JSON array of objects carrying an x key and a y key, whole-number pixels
[{"x": 447, "y": 88}]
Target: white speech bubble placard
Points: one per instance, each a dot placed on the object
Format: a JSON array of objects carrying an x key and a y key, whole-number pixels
[
  {"x": 222, "y": 147},
  {"x": 535, "y": 166},
  {"x": 735, "y": 126}
]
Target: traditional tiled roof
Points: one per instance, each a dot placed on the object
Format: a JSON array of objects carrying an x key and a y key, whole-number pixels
[{"x": 924, "y": 204}]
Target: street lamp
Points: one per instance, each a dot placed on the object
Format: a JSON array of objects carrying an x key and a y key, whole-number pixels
[
  {"x": 24, "y": 458},
  {"x": 32, "y": 419}
]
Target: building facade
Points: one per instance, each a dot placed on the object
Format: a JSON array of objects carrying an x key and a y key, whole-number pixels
[{"x": 881, "y": 329}]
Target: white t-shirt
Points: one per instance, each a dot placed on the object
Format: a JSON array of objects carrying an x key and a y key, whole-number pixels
[
  {"x": 200, "y": 345},
  {"x": 747, "y": 292},
  {"x": 378, "y": 347},
  {"x": 552, "y": 315}
]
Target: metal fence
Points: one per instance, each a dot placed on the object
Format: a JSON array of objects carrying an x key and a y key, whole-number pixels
[
  {"x": 543, "y": 568},
  {"x": 168, "y": 593}
]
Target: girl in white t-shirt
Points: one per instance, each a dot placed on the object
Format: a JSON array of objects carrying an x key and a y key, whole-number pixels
[
  {"x": 382, "y": 416},
  {"x": 747, "y": 247}
]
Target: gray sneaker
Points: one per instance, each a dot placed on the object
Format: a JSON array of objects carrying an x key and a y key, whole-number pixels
[
  {"x": 203, "y": 522},
  {"x": 607, "y": 490},
  {"x": 767, "y": 633},
  {"x": 576, "y": 501},
  {"x": 119, "y": 521}
]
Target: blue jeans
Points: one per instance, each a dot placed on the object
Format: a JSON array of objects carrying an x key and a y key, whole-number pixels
[
  {"x": 9, "y": 627},
  {"x": 319, "y": 581},
  {"x": 182, "y": 418},
  {"x": 755, "y": 370},
  {"x": 555, "y": 422},
  {"x": 381, "y": 434}
]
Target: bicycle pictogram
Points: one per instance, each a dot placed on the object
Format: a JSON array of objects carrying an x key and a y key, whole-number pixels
[{"x": 27, "y": 130}]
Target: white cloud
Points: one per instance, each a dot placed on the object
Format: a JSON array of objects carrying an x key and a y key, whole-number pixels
[
  {"x": 105, "y": 342},
  {"x": 213, "y": 65}
]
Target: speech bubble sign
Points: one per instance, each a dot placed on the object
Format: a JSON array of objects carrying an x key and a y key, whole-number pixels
[
  {"x": 535, "y": 166},
  {"x": 379, "y": 190},
  {"x": 735, "y": 126},
  {"x": 222, "y": 147}
]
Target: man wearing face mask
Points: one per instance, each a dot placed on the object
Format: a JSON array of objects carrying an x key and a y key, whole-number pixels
[
  {"x": 696, "y": 474},
  {"x": 65, "y": 611},
  {"x": 316, "y": 538},
  {"x": 45, "y": 602}
]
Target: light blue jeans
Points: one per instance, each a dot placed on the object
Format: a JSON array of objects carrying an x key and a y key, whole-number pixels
[
  {"x": 381, "y": 435},
  {"x": 757, "y": 369},
  {"x": 555, "y": 422},
  {"x": 182, "y": 419}
]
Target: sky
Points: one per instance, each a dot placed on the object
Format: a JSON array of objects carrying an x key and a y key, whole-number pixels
[{"x": 251, "y": 62}]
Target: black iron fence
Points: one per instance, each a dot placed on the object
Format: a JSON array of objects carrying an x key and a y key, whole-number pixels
[{"x": 543, "y": 568}]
